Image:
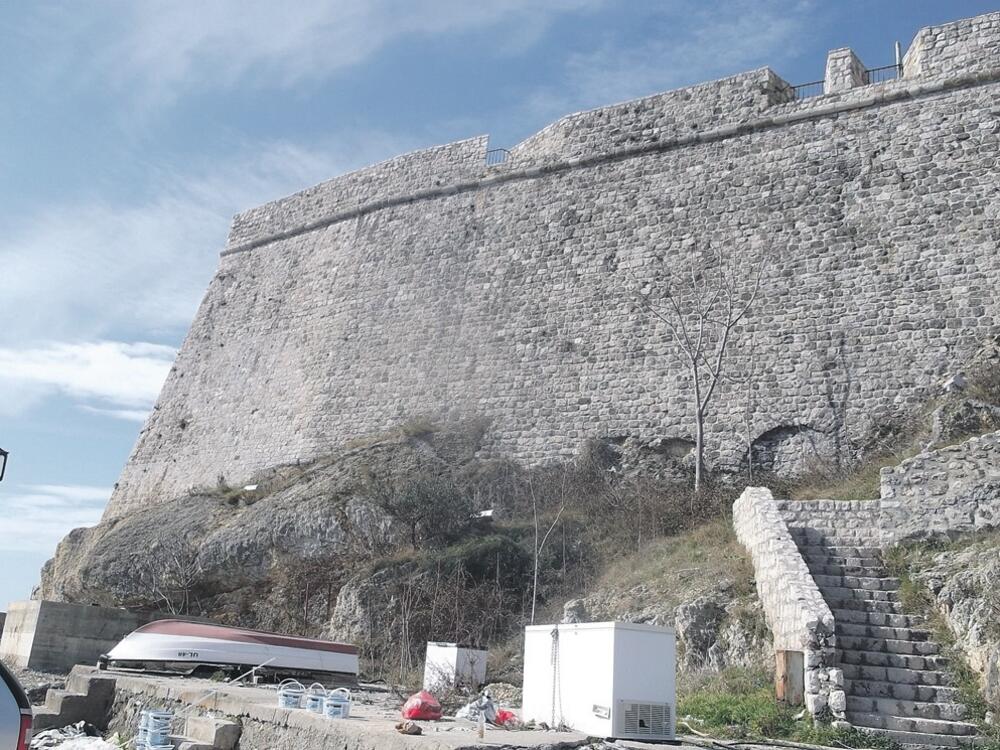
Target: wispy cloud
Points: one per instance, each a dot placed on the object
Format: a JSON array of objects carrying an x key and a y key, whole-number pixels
[
  {"x": 696, "y": 42},
  {"x": 121, "y": 379},
  {"x": 189, "y": 44},
  {"x": 36, "y": 517},
  {"x": 83, "y": 269}
]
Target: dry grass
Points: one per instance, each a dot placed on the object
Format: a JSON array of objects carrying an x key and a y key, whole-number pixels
[{"x": 677, "y": 565}]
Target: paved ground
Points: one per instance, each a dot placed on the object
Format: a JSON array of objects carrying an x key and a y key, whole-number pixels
[{"x": 374, "y": 714}]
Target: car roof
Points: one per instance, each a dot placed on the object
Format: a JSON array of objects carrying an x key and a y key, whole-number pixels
[{"x": 15, "y": 687}]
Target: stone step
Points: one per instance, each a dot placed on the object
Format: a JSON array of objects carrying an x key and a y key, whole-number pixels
[
  {"x": 186, "y": 743},
  {"x": 864, "y": 605},
  {"x": 912, "y": 724},
  {"x": 64, "y": 701},
  {"x": 881, "y": 631},
  {"x": 861, "y": 643},
  {"x": 919, "y": 740},
  {"x": 911, "y": 709},
  {"x": 857, "y": 562},
  {"x": 833, "y": 531},
  {"x": 897, "y": 661},
  {"x": 849, "y": 550},
  {"x": 862, "y": 672},
  {"x": 865, "y": 617},
  {"x": 826, "y": 569},
  {"x": 44, "y": 718},
  {"x": 901, "y": 691},
  {"x": 857, "y": 582},
  {"x": 841, "y": 592}
]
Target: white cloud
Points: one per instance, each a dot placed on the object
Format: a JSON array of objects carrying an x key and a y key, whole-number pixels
[
  {"x": 36, "y": 517},
  {"x": 95, "y": 269},
  {"x": 108, "y": 372},
  {"x": 697, "y": 42},
  {"x": 169, "y": 47},
  {"x": 129, "y": 415}
]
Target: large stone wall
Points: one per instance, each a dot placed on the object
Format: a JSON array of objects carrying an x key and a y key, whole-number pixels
[
  {"x": 942, "y": 493},
  {"x": 435, "y": 285}
]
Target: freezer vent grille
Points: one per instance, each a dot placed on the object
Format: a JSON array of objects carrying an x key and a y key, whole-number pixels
[{"x": 639, "y": 720}]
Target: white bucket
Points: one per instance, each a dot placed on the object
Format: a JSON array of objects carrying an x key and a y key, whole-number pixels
[
  {"x": 337, "y": 704},
  {"x": 290, "y": 693},
  {"x": 315, "y": 698}
]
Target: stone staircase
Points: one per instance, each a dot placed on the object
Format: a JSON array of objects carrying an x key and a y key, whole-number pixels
[
  {"x": 86, "y": 697},
  {"x": 895, "y": 680},
  {"x": 89, "y": 696}
]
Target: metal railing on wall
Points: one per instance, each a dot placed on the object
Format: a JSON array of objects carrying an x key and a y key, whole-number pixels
[
  {"x": 883, "y": 74},
  {"x": 496, "y": 156},
  {"x": 872, "y": 75},
  {"x": 806, "y": 90}
]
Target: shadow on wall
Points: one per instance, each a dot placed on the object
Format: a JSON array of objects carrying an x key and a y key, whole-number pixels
[{"x": 792, "y": 450}]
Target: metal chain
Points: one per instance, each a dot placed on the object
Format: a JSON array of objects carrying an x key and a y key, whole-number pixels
[{"x": 556, "y": 686}]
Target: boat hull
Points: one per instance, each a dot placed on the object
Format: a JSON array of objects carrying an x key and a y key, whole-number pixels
[{"x": 187, "y": 646}]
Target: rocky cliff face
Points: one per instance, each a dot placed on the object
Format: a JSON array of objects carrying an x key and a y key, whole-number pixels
[
  {"x": 202, "y": 550},
  {"x": 380, "y": 544},
  {"x": 962, "y": 583}
]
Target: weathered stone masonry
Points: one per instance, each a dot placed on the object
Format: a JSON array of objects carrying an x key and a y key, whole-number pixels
[{"x": 432, "y": 284}]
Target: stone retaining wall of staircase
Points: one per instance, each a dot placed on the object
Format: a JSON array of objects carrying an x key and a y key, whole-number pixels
[
  {"x": 944, "y": 492},
  {"x": 799, "y": 618}
]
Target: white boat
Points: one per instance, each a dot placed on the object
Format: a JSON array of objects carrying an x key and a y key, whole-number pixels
[{"x": 181, "y": 646}]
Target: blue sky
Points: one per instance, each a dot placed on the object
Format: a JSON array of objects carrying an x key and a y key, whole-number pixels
[{"x": 132, "y": 131}]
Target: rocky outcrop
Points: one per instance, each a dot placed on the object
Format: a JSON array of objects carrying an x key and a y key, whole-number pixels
[
  {"x": 963, "y": 585},
  {"x": 717, "y": 627},
  {"x": 211, "y": 545}
]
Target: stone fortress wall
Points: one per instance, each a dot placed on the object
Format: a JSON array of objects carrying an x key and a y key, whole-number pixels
[{"x": 433, "y": 284}]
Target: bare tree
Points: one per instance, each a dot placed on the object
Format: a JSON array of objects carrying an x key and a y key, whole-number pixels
[{"x": 702, "y": 309}]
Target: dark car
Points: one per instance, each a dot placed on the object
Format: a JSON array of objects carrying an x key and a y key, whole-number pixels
[{"x": 15, "y": 713}]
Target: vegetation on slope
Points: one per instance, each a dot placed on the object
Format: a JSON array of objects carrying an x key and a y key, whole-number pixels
[
  {"x": 924, "y": 569},
  {"x": 739, "y": 704}
]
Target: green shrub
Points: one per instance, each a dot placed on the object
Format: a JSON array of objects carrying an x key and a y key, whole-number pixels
[{"x": 740, "y": 704}]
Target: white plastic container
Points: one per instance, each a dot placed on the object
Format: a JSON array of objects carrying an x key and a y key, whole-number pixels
[
  {"x": 449, "y": 665},
  {"x": 337, "y": 704},
  {"x": 605, "y": 679}
]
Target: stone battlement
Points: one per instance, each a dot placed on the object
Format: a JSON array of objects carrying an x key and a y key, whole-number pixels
[{"x": 939, "y": 57}]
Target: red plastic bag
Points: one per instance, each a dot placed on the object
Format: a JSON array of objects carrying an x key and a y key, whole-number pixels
[
  {"x": 505, "y": 717},
  {"x": 422, "y": 706}
]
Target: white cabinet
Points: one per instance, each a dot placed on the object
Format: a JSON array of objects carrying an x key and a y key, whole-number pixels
[{"x": 606, "y": 679}]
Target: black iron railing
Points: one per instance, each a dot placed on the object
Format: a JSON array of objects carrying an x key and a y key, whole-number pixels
[
  {"x": 496, "y": 156},
  {"x": 806, "y": 90},
  {"x": 883, "y": 74}
]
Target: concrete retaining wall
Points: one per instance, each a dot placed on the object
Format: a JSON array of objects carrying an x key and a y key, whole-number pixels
[{"x": 55, "y": 636}]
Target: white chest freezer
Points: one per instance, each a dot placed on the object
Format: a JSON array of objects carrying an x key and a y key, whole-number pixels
[{"x": 605, "y": 679}]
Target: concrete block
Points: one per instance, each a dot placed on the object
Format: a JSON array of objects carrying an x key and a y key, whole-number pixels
[{"x": 218, "y": 733}]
